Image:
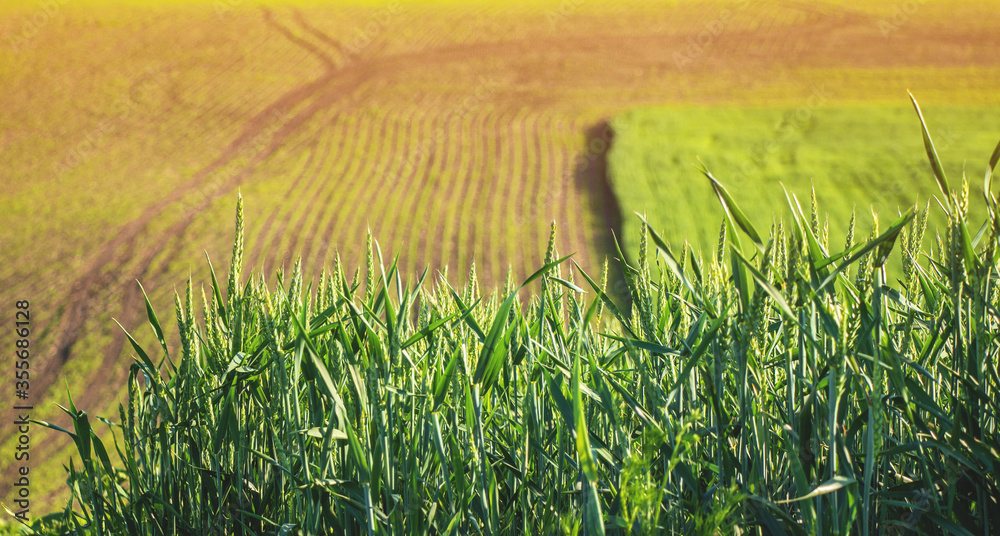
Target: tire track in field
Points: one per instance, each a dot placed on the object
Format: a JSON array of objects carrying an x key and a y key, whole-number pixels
[
  {"x": 124, "y": 244},
  {"x": 318, "y": 53},
  {"x": 130, "y": 314},
  {"x": 308, "y": 112},
  {"x": 312, "y": 96},
  {"x": 344, "y": 58},
  {"x": 177, "y": 125},
  {"x": 147, "y": 269},
  {"x": 86, "y": 288},
  {"x": 329, "y": 41},
  {"x": 153, "y": 265}
]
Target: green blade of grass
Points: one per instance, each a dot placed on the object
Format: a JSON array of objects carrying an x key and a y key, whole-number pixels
[
  {"x": 932, "y": 155},
  {"x": 733, "y": 212},
  {"x": 830, "y": 486},
  {"x": 990, "y": 170},
  {"x": 884, "y": 241},
  {"x": 610, "y": 305}
]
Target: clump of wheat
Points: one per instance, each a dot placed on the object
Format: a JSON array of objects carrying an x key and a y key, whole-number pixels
[{"x": 767, "y": 393}]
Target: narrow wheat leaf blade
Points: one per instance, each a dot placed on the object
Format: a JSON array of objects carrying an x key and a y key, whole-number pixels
[
  {"x": 733, "y": 211},
  {"x": 834, "y": 484},
  {"x": 587, "y": 463},
  {"x": 139, "y": 351},
  {"x": 607, "y": 301},
  {"x": 493, "y": 339},
  {"x": 886, "y": 239},
  {"x": 775, "y": 295},
  {"x": 936, "y": 166},
  {"x": 674, "y": 266},
  {"x": 543, "y": 270},
  {"x": 988, "y": 182},
  {"x": 418, "y": 336},
  {"x": 466, "y": 314},
  {"x": 154, "y": 321}
]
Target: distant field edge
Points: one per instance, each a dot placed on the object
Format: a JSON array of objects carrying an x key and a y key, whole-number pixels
[{"x": 867, "y": 158}]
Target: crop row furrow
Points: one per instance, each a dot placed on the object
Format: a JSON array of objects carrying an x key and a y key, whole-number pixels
[
  {"x": 516, "y": 203},
  {"x": 454, "y": 196},
  {"x": 283, "y": 213},
  {"x": 470, "y": 201},
  {"x": 310, "y": 212},
  {"x": 315, "y": 243},
  {"x": 401, "y": 221},
  {"x": 422, "y": 239},
  {"x": 374, "y": 177}
]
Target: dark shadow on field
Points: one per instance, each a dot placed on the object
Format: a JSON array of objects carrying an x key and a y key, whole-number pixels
[{"x": 591, "y": 175}]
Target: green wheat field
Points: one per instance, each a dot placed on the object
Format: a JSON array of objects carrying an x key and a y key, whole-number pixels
[{"x": 557, "y": 267}]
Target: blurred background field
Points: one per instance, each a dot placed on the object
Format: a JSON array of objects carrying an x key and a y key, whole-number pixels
[{"x": 867, "y": 159}]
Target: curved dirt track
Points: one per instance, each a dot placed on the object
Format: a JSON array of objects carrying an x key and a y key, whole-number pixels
[{"x": 449, "y": 143}]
